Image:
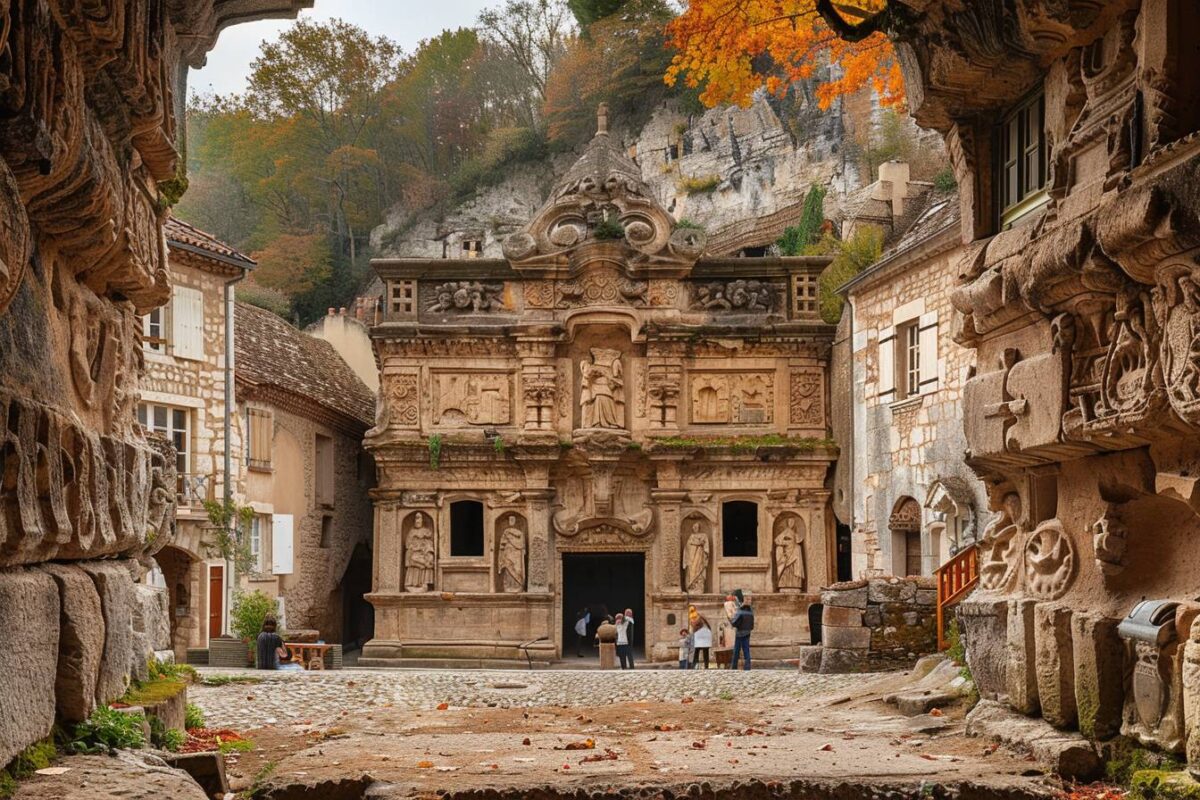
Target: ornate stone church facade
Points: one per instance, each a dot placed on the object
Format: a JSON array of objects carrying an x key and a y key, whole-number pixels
[{"x": 602, "y": 419}]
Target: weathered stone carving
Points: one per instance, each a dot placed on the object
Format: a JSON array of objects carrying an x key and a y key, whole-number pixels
[
  {"x": 473, "y": 399},
  {"x": 750, "y": 296},
  {"x": 14, "y": 234},
  {"x": 511, "y": 560},
  {"x": 1177, "y": 302},
  {"x": 419, "y": 551},
  {"x": 1050, "y": 562},
  {"x": 696, "y": 556},
  {"x": 1110, "y": 538},
  {"x": 602, "y": 390},
  {"x": 725, "y": 398},
  {"x": 601, "y": 287},
  {"x": 806, "y": 397},
  {"x": 1000, "y": 547},
  {"x": 539, "y": 294},
  {"x": 403, "y": 399},
  {"x": 662, "y": 393},
  {"x": 789, "y": 553},
  {"x": 467, "y": 296}
]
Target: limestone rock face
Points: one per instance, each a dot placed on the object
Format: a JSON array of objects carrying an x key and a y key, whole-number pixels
[
  {"x": 115, "y": 587},
  {"x": 151, "y": 617},
  {"x": 81, "y": 641},
  {"x": 29, "y": 614}
]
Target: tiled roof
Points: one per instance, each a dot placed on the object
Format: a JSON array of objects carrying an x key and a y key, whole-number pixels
[
  {"x": 194, "y": 239},
  {"x": 271, "y": 353},
  {"x": 940, "y": 209}
]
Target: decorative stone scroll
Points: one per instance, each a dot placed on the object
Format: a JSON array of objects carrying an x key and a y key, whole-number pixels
[
  {"x": 1000, "y": 547},
  {"x": 747, "y": 296},
  {"x": 806, "y": 397},
  {"x": 1050, "y": 561},
  {"x": 601, "y": 286}
]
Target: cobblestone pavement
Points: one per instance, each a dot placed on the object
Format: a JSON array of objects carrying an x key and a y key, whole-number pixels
[{"x": 321, "y": 698}]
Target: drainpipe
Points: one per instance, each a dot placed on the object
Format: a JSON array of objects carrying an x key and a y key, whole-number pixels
[{"x": 230, "y": 407}]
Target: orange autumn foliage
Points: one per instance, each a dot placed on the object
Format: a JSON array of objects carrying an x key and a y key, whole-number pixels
[{"x": 734, "y": 47}]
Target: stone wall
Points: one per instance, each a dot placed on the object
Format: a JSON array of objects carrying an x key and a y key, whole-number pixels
[{"x": 877, "y": 624}]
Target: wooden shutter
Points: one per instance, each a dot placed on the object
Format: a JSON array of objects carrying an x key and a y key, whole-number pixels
[
  {"x": 282, "y": 544},
  {"x": 259, "y": 433},
  {"x": 187, "y": 323},
  {"x": 927, "y": 333},
  {"x": 887, "y": 365}
]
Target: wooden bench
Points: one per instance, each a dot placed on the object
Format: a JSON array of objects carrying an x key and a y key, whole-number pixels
[{"x": 307, "y": 654}]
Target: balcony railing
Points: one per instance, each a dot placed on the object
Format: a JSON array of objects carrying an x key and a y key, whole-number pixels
[
  {"x": 955, "y": 580},
  {"x": 193, "y": 489}
]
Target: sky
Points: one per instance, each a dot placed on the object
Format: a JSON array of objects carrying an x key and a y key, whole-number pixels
[{"x": 406, "y": 22}]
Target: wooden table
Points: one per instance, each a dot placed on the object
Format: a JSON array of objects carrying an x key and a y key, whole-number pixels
[{"x": 308, "y": 655}]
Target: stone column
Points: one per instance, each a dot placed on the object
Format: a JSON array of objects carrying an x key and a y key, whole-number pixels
[
  {"x": 388, "y": 568},
  {"x": 538, "y": 504},
  {"x": 668, "y": 497}
]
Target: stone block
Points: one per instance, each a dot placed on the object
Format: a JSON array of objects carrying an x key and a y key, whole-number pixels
[
  {"x": 891, "y": 590},
  {"x": 1066, "y": 754},
  {"x": 130, "y": 775},
  {"x": 810, "y": 658},
  {"x": 29, "y": 620},
  {"x": 846, "y": 638},
  {"x": 832, "y": 616},
  {"x": 1191, "y": 697},
  {"x": 855, "y": 597},
  {"x": 1055, "y": 664},
  {"x": 114, "y": 584},
  {"x": 984, "y": 628},
  {"x": 927, "y": 597},
  {"x": 872, "y": 617},
  {"x": 206, "y": 769},
  {"x": 835, "y": 661},
  {"x": 1021, "y": 655},
  {"x": 1099, "y": 658},
  {"x": 152, "y": 616},
  {"x": 226, "y": 651},
  {"x": 81, "y": 641}
]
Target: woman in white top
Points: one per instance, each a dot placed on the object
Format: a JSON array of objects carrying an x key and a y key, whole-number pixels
[
  {"x": 702, "y": 639},
  {"x": 624, "y": 649}
]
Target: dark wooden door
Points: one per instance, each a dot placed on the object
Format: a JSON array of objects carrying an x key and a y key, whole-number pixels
[{"x": 216, "y": 600}]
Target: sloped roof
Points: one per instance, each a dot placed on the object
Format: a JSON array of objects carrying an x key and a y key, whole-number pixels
[
  {"x": 183, "y": 236},
  {"x": 275, "y": 357},
  {"x": 937, "y": 213}
]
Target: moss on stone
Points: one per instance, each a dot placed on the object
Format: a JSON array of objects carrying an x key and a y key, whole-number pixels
[
  {"x": 745, "y": 444},
  {"x": 153, "y": 692},
  {"x": 1127, "y": 758},
  {"x": 1158, "y": 784},
  {"x": 38, "y": 755},
  {"x": 1088, "y": 705}
]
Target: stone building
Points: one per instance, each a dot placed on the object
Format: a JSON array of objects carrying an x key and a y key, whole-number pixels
[
  {"x": 89, "y": 163},
  {"x": 183, "y": 399},
  {"x": 603, "y": 418},
  {"x": 908, "y": 496},
  {"x": 349, "y": 335},
  {"x": 1075, "y": 137},
  {"x": 303, "y": 412}
]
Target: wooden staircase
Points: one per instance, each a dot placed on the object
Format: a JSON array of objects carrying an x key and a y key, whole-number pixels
[{"x": 955, "y": 580}]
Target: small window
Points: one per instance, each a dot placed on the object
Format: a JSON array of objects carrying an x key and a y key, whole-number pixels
[
  {"x": 154, "y": 331},
  {"x": 739, "y": 529},
  {"x": 326, "y": 531},
  {"x": 466, "y": 528},
  {"x": 1022, "y": 149},
  {"x": 173, "y": 423},
  {"x": 402, "y": 298},
  {"x": 324, "y": 470},
  {"x": 258, "y": 527},
  {"x": 259, "y": 433},
  {"x": 472, "y": 248},
  {"x": 908, "y": 360}
]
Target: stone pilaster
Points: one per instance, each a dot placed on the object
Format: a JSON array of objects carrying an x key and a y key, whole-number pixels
[
  {"x": 668, "y": 498},
  {"x": 538, "y": 503}
]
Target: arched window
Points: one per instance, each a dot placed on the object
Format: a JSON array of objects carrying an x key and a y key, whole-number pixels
[
  {"x": 739, "y": 529},
  {"x": 466, "y": 528}
]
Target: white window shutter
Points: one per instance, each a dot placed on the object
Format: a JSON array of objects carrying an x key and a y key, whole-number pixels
[
  {"x": 927, "y": 332},
  {"x": 887, "y": 365},
  {"x": 282, "y": 544},
  {"x": 187, "y": 323}
]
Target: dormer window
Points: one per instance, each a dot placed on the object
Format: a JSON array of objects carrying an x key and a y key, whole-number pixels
[{"x": 1022, "y": 149}]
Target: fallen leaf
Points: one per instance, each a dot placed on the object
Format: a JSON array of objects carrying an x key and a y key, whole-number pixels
[
  {"x": 424, "y": 764},
  {"x": 607, "y": 755},
  {"x": 53, "y": 771},
  {"x": 687, "y": 700},
  {"x": 666, "y": 726},
  {"x": 928, "y": 757},
  {"x": 442, "y": 706},
  {"x": 826, "y": 749},
  {"x": 937, "y": 712},
  {"x": 700, "y": 745},
  {"x": 526, "y": 742},
  {"x": 586, "y": 744}
]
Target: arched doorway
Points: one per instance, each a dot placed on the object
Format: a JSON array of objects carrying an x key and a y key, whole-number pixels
[
  {"x": 905, "y": 525},
  {"x": 183, "y": 572}
]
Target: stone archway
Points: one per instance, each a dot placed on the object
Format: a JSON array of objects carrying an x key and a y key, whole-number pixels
[
  {"x": 905, "y": 525},
  {"x": 183, "y": 572}
]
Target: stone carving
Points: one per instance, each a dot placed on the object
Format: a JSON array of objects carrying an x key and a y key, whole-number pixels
[
  {"x": 662, "y": 393},
  {"x": 1049, "y": 561},
  {"x": 806, "y": 401},
  {"x": 740, "y": 398},
  {"x": 601, "y": 286},
  {"x": 403, "y": 401},
  {"x": 539, "y": 294},
  {"x": 418, "y": 555},
  {"x": 789, "y": 553},
  {"x": 1110, "y": 537},
  {"x": 14, "y": 235},
  {"x": 1177, "y": 303},
  {"x": 473, "y": 399},
  {"x": 467, "y": 296},
  {"x": 540, "y": 389},
  {"x": 664, "y": 293},
  {"x": 95, "y": 345},
  {"x": 750, "y": 296},
  {"x": 696, "y": 557},
  {"x": 906, "y": 516},
  {"x": 1154, "y": 702},
  {"x": 1000, "y": 547},
  {"x": 1191, "y": 698},
  {"x": 602, "y": 390},
  {"x": 511, "y": 566}
]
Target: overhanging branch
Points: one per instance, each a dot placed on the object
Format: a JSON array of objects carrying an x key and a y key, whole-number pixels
[{"x": 855, "y": 32}]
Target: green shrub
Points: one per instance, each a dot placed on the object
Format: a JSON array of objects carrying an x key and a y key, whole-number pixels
[
  {"x": 705, "y": 184},
  {"x": 435, "y": 451},
  {"x": 609, "y": 230},
  {"x": 184, "y": 673},
  {"x": 165, "y": 738},
  {"x": 689, "y": 225},
  {"x": 248, "y": 612},
  {"x": 944, "y": 181},
  {"x": 193, "y": 717},
  {"x": 850, "y": 257},
  {"x": 107, "y": 730},
  {"x": 807, "y": 232}
]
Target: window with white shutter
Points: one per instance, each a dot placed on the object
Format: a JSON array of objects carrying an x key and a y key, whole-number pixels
[
  {"x": 281, "y": 544},
  {"x": 187, "y": 323},
  {"x": 887, "y": 365},
  {"x": 927, "y": 332}
]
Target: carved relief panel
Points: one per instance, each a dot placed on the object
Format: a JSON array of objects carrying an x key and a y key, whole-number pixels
[
  {"x": 419, "y": 552},
  {"x": 473, "y": 398},
  {"x": 788, "y": 549},
  {"x": 806, "y": 397},
  {"x": 602, "y": 390},
  {"x": 733, "y": 398},
  {"x": 697, "y": 554},
  {"x": 399, "y": 404}
]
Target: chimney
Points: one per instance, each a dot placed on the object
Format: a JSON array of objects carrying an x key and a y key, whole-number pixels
[{"x": 893, "y": 185}]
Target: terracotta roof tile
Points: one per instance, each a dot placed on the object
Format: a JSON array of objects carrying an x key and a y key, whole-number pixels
[
  {"x": 271, "y": 353},
  {"x": 182, "y": 233}
]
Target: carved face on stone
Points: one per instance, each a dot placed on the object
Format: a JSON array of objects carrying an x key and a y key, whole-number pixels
[{"x": 419, "y": 521}]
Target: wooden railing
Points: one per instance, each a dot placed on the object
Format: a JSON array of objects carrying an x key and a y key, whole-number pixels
[{"x": 955, "y": 580}]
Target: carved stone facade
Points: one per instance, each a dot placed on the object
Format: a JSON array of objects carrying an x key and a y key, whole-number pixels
[
  {"x": 595, "y": 410},
  {"x": 88, "y": 168},
  {"x": 1078, "y": 294}
]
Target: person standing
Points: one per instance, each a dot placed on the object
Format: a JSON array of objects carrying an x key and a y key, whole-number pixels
[
  {"x": 582, "y": 620},
  {"x": 624, "y": 649},
  {"x": 743, "y": 624},
  {"x": 268, "y": 646},
  {"x": 630, "y": 621},
  {"x": 685, "y": 649},
  {"x": 702, "y": 639}
]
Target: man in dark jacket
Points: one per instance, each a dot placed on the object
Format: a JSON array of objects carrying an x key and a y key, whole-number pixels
[
  {"x": 743, "y": 624},
  {"x": 268, "y": 643}
]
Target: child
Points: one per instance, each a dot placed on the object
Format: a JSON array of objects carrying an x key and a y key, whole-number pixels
[{"x": 685, "y": 649}]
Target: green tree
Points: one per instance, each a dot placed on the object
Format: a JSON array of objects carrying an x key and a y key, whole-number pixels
[
  {"x": 588, "y": 11},
  {"x": 797, "y": 238},
  {"x": 850, "y": 257}
]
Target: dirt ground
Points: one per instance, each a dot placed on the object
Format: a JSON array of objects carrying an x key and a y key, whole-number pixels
[{"x": 831, "y": 737}]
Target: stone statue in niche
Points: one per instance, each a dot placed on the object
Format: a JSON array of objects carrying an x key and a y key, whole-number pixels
[
  {"x": 999, "y": 551},
  {"x": 1049, "y": 561},
  {"x": 789, "y": 554},
  {"x": 602, "y": 390},
  {"x": 512, "y": 556},
  {"x": 418, "y": 556},
  {"x": 695, "y": 559}
]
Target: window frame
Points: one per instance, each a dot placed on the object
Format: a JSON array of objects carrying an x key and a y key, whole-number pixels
[
  {"x": 1014, "y": 149},
  {"x": 145, "y": 417},
  {"x": 161, "y": 342},
  {"x": 725, "y": 506},
  {"x": 907, "y": 352},
  {"x": 455, "y": 541},
  {"x": 260, "y": 524}
]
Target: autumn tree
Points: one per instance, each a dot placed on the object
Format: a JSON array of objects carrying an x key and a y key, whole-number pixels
[
  {"x": 534, "y": 34},
  {"x": 731, "y": 48}
]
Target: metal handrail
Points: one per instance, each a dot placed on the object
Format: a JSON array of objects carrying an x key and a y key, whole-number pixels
[
  {"x": 525, "y": 647},
  {"x": 955, "y": 580}
]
